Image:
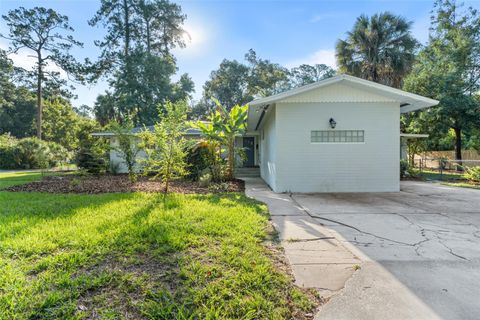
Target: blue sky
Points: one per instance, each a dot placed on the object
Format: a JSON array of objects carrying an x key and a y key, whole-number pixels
[{"x": 285, "y": 31}]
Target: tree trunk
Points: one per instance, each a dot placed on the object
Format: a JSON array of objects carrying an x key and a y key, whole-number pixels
[
  {"x": 127, "y": 28},
  {"x": 458, "y": 145},
  {"x": 39, "y": 97}
]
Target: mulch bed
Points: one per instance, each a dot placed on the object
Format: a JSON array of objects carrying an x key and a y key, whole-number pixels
[{"x": 121, "y": 183}]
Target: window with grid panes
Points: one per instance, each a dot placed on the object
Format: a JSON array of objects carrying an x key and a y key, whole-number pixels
[{"x": 337, "y": 136}]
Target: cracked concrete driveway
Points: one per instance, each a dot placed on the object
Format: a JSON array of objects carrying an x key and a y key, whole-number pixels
[{"x": 420, "y": 251}]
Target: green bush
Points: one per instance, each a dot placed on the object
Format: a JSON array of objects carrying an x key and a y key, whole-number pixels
[
  {"x": 198, "y": 160},
  {"x": 472, "y": 174},
  {"x": 90, "y": 161},
  {"x": 404, "y": 168},
  {"x": 408, "y": 171},
  {"x": 30, "y": 153}
]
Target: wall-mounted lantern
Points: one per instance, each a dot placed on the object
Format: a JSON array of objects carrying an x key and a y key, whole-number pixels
[{"x": 333, "y": 123}]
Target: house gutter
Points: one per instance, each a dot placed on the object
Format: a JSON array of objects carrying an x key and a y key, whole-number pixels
[{"x": 261, "y": 116}]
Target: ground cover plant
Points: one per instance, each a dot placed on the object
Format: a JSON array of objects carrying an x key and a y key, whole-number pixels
[{"x": 130, "y": 256}]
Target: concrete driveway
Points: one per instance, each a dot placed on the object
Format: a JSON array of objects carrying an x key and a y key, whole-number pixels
[{"x": 420, "y": 251}]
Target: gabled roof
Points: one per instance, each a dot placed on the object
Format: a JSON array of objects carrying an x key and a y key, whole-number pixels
[{"x": 408, "y": 101}]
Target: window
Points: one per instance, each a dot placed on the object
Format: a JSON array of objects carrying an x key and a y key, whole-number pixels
[{"x": 337, "y": 136}]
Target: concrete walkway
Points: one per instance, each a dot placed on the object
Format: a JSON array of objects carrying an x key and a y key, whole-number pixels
[{"x": 317, "y": 257}]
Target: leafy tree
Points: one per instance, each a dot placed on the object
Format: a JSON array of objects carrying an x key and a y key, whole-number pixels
[
  {"x": 136, "y": 58},
  {"x": 127, "y": 146},
  {"x": 83, "y": 111},
  {"x": 380, "y": 48},
  {"x": 161, "y": 23},
  {"x": 61, "y": 123},
  {"x": 306, "y": 74},
  {"x": 17, "y": 104},
  {"x": 46, "y": 33},
  {"x": 229, "y": 85},
  {"x": 265, "y": 78},
  {"x": 166, "y": 145},
  {"x": 447, "y": 69},
  {"x": 105, "y": 109}
]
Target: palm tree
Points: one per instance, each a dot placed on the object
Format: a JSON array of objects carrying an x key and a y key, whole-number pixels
[{"x": 380, "y": 48}]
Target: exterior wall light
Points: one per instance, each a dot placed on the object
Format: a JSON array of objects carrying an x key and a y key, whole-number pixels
[{"x": 333, "y": 123}]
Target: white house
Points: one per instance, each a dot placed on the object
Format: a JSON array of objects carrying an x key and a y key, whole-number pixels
[{"x": 341, "y": 134}]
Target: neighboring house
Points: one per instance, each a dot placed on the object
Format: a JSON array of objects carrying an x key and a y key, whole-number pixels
[
  {"x": 115, "y": 158},
  {"x": 341, "y": 134}
]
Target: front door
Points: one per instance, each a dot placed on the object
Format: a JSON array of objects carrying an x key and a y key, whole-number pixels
[{"x": 249, "y": 148}]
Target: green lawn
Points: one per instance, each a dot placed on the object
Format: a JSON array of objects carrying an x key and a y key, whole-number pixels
[
  {"x": 445, "y": 175},
  {"x": 462, "y": 184},
  {"x": 115, "y": 256},
  {"x": 14, "y": 178}
]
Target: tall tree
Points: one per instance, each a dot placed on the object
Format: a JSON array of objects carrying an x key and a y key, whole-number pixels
[
  {"x": 380, "y": 48},
  {"x": 136, "y": 55},
  {"x": 306, "y": 74},
  {"x": 228, "y": 84},
  {"x": 48, "y": 35},
  {"x": 162, "y": 26},
  {"x": 265, "y": 77},
  {"x": 448, "y": 69}
]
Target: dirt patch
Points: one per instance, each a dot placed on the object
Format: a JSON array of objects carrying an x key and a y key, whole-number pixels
[{"x": 121, "y": 183}]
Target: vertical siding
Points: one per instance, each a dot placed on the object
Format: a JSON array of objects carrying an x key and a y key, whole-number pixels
[
  {"x": 372, "y": 166},
  {"x": 268, "y": 149}
]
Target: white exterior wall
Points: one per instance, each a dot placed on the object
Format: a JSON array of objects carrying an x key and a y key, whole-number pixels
[
  {"x": 303, "y": 166},
  {"x": 268, "y": 149}
]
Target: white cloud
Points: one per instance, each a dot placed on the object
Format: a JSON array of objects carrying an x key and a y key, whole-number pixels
[
  {"x": 324, "y": 16},
  {"x": 325, "y": 56}
]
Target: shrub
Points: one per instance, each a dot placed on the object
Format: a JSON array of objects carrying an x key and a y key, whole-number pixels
[
  {"x": 198, "y": 160},
  {"x": 408, "y": 171},
  {"x": 90, "y": 161},
  {"x": 30, "y": 153},
  {"x": 404, "y": 168},
  {"x": 472, "y": 174}
]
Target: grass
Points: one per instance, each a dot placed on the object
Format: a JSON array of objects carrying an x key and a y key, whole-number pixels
[
  {"x": 445, "y": 175},
  {"x": 10, "y": 179},
  {"x": 462, "y": 185},
  {"x": 448, "y": 178},
  {"x": 115, "y": 256}
]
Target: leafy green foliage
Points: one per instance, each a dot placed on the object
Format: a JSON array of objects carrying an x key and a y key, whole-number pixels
[
  {"x": 30, "y": 153},
  {"x": 447, "y": 70},
  {"x": 223, "y": 127},
  {"x": 306, "y": 74},
  {"x": 198, "y": 159},
  {"x": 472, "y": 174},
  {"x": 90, "y": 161},
  {"x": 211, "y": 142},
  {"x": 380, "y": 48},
  {"x": 166, "y": 145}
]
